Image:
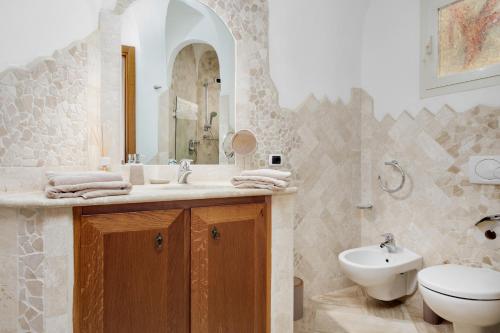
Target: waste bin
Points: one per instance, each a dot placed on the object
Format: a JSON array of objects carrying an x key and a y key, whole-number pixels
[{"x": 298, "y": 298}]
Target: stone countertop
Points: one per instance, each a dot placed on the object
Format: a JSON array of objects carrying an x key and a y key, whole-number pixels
[{"x": 140, "y": 193}]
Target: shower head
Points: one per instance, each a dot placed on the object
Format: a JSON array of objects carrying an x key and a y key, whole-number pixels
[{"x": 212, "y": 116}]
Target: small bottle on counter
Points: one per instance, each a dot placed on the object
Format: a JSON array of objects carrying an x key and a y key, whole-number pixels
[{"x": 136, "y": 176}]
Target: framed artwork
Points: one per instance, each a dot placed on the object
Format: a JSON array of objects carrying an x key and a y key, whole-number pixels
[{"x": 460, "y": 45}]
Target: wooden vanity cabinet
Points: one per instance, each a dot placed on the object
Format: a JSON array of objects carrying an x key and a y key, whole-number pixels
[
  {"x": 229, "y": 269},
  {"x": 177, "y": 267},
  {"x": 133, "y": 272}
]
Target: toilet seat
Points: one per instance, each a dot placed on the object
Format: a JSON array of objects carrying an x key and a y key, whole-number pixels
[{"x": 470, "y": 283}]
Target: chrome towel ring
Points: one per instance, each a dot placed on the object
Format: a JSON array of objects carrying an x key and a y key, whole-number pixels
[{"x": 403, "y": 178}]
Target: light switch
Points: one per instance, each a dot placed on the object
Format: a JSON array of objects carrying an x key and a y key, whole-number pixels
[{"x": 484, "y": 170}]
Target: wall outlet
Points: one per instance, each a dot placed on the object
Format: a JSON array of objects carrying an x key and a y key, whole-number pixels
[
  {"x": 275, "y": 160},
  {"x": 484, "y": 170}
]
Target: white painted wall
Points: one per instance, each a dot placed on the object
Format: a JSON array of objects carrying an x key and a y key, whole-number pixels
[
  {"x": 315, "y": 47},
  {"x": 323, "y": 47},
  {"x": 33, "y": 28},
  {"x": 390, "y": 63}
]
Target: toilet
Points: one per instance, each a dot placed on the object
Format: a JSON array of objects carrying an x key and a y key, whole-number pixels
[{"x": 466, "y": 296}]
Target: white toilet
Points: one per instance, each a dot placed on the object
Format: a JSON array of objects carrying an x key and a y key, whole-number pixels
[{"x": 466, "y": 296}]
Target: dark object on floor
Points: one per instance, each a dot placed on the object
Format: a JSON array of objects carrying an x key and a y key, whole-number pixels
[
  {"x": 298, "y": 298},
  {"x": 430, "y": 316}
]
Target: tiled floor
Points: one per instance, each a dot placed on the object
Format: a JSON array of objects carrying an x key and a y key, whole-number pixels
[{"x": 350, "y": 310}]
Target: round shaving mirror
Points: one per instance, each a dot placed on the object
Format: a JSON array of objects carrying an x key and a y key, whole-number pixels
[{"x": 244, "y": 142}]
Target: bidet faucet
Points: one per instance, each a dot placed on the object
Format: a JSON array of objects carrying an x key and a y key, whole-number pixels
[
  {"x": 184, "y": 171},
  {"x": 389, "y": 243}
]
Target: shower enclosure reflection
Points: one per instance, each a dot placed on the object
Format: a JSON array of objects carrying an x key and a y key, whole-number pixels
[{"x": 196, "y": 92}]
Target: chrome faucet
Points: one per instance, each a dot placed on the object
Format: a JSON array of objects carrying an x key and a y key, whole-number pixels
[
  {"x": 184, "y": 171},
  {"x": 389, "y": 243}
]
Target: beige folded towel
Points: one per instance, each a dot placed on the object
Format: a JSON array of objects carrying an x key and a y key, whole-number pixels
[
  {"x": 238, "y": 180},
  {"x": 271, "y": 173},
  {"x": 88, "y": 190},
  {"x": 74, "y": 178}
]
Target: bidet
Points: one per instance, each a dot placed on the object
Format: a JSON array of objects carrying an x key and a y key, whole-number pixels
[{"x": 384, "y": 275}]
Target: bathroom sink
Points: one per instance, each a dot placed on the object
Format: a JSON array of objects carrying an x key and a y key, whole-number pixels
[
  {"x": 190, "y": 187},
  {"x": 385, "y": 276},
  {"x": 197, "y": 186}
]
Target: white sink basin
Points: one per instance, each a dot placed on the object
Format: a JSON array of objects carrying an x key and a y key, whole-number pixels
[
  {"x": 385, "y": 276},
  {"x": 195, "y": 186},
  {"x": 179, "y": 187}
]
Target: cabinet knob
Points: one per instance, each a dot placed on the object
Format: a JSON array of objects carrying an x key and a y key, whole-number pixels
[
  {"x": 159, "y": 242},
  {"x": 215, "y": 233}
]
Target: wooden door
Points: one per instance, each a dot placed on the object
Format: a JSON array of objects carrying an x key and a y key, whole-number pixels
[
  {"x": 230, "y": 263},
  {"x": 133, "y": 272}
]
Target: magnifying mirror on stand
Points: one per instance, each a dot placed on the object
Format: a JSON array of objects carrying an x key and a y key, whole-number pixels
[{"x": 241, "y": 143}]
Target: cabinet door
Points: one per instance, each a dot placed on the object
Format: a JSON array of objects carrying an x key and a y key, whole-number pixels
[
  {"x": 133, "y": 273},
  {"x": 230, "y": 269}
]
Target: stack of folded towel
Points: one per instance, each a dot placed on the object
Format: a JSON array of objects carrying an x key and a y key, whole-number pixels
[
  {"x": 87, "y": 185},
  {"x": 268, "y": 179}
]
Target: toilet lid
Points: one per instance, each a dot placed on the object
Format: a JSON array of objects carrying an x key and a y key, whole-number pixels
[{"x": 462, "y": 281}]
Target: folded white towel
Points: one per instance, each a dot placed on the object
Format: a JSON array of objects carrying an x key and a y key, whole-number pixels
[
  {"x": 75, "y": 178},
  {"x": 260, "y": 182},
  {"x": 271, "y": 173},
  {"x": 88, "y": 190}
]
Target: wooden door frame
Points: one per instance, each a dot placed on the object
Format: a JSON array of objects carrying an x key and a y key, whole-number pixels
[{"x": 129, "y": 84}]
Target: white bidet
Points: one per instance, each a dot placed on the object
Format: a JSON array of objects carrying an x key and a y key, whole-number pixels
[{"x": 385, "y": 276}]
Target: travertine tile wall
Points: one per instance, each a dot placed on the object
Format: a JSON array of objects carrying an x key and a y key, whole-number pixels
[
  {"x": 337, "y": 153},
  {"x": 434, "y": 214},
  {"x": 325, "y": 158}
]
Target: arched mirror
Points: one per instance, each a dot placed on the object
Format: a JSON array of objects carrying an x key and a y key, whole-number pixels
[{"x": 178, "y": 82}]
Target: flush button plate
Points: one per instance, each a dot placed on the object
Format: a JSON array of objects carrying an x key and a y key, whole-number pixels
[{"x": 484, "y": 170}]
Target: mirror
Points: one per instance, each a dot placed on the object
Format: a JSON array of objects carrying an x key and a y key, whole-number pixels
[
  {"x": 244, "y": 142},
  {"x": 178, "y": 82}
]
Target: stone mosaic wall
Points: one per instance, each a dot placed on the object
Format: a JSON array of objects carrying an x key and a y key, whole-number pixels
[
  {"x": 434, "y": 214},
  {"x": 43, "y": 119},
  {"x": 37, "y": 269},
  {"x": 30, "y": 271}
]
